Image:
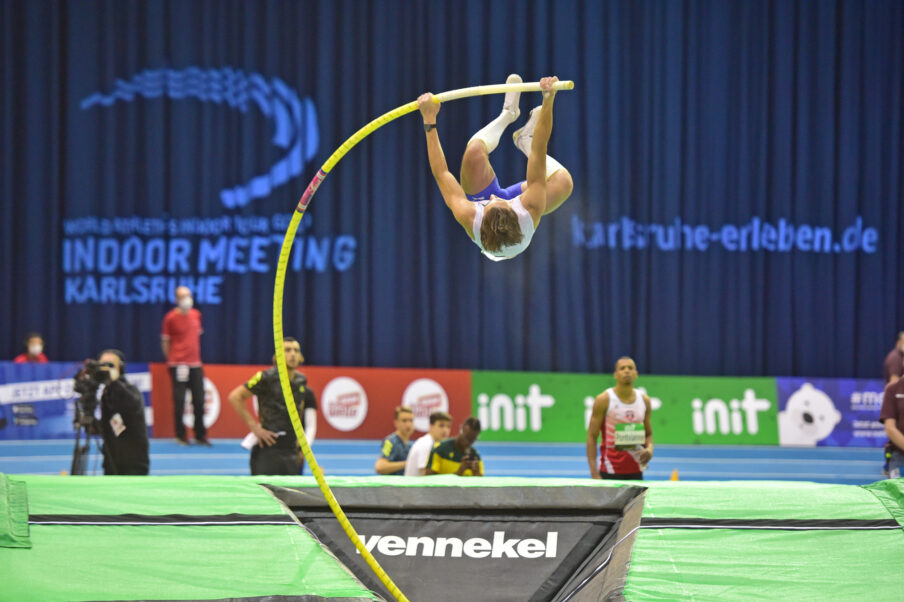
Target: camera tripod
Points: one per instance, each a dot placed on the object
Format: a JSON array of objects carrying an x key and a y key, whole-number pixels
[{"x": 85, "y": 424}]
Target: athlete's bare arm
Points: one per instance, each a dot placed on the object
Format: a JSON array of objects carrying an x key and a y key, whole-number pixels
[
  {"x": 597, "y": 417},
  {"x": 384, "y": 466},
  {"x": 237, "y": 399},
  {"x": 534, "y": 196},
  {"x": 455, "y": 198}
]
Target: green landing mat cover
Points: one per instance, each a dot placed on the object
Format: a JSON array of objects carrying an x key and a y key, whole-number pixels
[
  {"x": 769, "y": 540},
  {"x": 216, "y": 538},
  {"x": 13, "y": 514},
  {"x": 166, "y": 538}
]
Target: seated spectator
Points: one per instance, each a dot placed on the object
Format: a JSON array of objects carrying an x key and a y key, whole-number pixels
[
  {"x": 440, "y": 427},
  {"x": 458, "y": 455},
  {"x": 34, "y": 354},
  {"x": 395, "y": 447}
]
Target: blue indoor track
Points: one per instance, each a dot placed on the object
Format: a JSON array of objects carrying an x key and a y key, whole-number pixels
[{"x": 848, "y": 466}]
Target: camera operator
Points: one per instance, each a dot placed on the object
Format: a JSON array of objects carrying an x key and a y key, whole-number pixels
[{"x": 122, "y": 423}]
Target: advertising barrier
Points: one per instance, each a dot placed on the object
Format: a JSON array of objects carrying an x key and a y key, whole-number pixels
[
  {"x": 713, "y": 411},
  {"x": 37, "y": 401},
  {"x": 523, "y": 406},
  {"x": 352, "y": 403},
  {"x": 538, "y": 406},
  {"x": 837, "y": 412}
]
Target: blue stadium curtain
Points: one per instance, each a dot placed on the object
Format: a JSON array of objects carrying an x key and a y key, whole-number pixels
[{"x": 737, "y": 166}]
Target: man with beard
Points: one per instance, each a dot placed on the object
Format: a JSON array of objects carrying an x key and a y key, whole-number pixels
[
  {"x": 275, "y": 448},
  {"x": 627, "y": 444}
]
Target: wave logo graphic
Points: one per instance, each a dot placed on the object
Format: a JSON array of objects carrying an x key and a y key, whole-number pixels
[{"x": 294, "y": 119}]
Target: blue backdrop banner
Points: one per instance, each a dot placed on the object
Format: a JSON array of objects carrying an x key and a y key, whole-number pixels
[{"x": 738, "y": 182}]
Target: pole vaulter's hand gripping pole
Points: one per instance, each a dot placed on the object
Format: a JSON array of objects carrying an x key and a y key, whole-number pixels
[{"x": 280, "y": 284}]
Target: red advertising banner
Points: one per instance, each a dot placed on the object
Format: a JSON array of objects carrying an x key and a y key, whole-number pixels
[
  {"x": 353, "y": 403},
  {"x": 219, "y": 380}
]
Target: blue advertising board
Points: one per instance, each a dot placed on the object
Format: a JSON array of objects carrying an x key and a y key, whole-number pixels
[
  {"x": 37, "y": 401},
  {"x": 833, "y": 412}
]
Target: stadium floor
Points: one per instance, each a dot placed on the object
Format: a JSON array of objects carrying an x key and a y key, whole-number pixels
[{"x": 847, "y": 466}]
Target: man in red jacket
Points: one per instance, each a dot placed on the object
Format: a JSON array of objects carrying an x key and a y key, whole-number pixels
[{"x": 181, "y": 343}]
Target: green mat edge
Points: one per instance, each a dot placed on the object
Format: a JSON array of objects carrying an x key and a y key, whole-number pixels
[{"x": 14, "y": 531}]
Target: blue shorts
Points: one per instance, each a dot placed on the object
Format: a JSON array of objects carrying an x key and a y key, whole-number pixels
[{"x": 503, "y": 193}]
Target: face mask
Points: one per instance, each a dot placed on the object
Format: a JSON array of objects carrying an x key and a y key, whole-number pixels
[
  {"x": 35, "y": 349},
  {"x": 185, "y": 303}
]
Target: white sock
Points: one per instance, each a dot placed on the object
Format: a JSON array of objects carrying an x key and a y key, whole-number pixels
[
  {"x": 552, "y": 166},
  {"x": 492, "y": 132}
]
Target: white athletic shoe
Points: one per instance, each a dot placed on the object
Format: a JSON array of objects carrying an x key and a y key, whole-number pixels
[
  {"x": 510, "y": 105},
  {"x": 523, "y": 137}
]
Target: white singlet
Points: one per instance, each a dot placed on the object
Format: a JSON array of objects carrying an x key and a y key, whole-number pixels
[
  {"x": 525, "y": 221},
  {"x": 624, "y": 426}
]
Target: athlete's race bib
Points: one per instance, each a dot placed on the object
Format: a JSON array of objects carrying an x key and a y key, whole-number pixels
[{"x": 629, "y": 434}]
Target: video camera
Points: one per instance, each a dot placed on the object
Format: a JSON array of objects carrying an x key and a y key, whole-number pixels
[
  {"x": 92, "y": 375},
  {"x": 86, "y": 382}
]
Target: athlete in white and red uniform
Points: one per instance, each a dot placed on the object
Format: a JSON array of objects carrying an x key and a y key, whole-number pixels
[{"x": 627, "y": 444}]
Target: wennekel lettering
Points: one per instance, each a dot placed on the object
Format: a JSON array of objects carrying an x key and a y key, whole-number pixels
[{"x": 454, "y": 547}]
